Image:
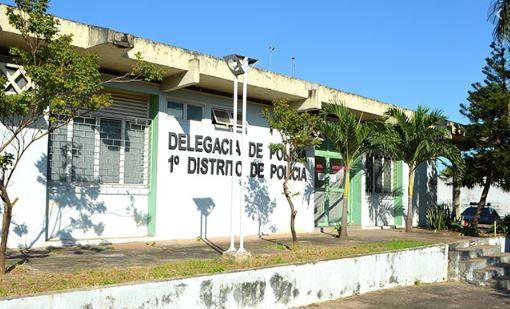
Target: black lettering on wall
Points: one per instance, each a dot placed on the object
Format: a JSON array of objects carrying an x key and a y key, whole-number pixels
[
  {"x": 192, "y": 165},
  {"x": 238, "y": 168},
  {"x": 217, "y": 146},
  {"x": 207, "y": 144},
  {"x": 182, "y": 141},
  {"x": 225, "y": 146},
  {"x": 259, "y": 151},
  {"x": 220, "y": 167},
  {"x": 172, "y": 140},
  {"x": 198, "y": 143}
]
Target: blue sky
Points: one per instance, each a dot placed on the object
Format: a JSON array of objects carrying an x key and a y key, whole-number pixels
[{"x": 402, "y": 52}]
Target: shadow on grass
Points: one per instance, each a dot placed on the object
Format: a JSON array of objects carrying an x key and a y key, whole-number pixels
[
  {"x": 24, "y": 256},
  {"x": 328, "y": 233},
  {"x": 277, "y": 243},
  {"x": 213, "y": 246}
]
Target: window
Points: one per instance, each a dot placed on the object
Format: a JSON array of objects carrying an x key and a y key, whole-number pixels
[
  {"x": 175, "y": 109},
  {"x": 110, "y": 131},
  {"x": 222, "y": 117},
  {"x": 83, "y": 149},
  {"x": 378, "y": 177},
  {"x": 194, "y": 112},
  {"x": 226, "y": 118},
  {"x": 100, "y": 149},
  {"x": 179, "y": 110},
  {"x": 135, "y": 153}
]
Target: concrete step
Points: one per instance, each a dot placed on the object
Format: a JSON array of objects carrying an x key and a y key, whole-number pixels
[
  {"x": 472, "y": 270},
  {"x": 501, "y": 257},
  {"x": 474, "y": 251},
  {"x": 500, "y": 283},
  {"x": 491, "y": 272},
  {"x": 468, "y": 267},
  {"x": 469, "y": 243}
]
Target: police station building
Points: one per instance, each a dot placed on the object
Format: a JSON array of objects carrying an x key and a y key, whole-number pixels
[{"x": 158, "y": 163}]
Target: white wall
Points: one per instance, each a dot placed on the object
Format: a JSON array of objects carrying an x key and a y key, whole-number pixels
[
  {"x": 378, "y": 209},
  {"x": 79, "y": 213},
  {"x": 274, "y": 287},
  {"x": 498, "y": 198},
  {"x": 29, "y": 186},
  {"x": 193, "y": 205}
]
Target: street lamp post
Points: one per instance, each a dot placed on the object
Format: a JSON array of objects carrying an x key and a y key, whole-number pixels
[
  {"x": 239, "y": 65},
  {"x": 232, "y": 247}
]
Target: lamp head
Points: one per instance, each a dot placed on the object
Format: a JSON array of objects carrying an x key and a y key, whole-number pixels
[{"x": 239, "y": 64}]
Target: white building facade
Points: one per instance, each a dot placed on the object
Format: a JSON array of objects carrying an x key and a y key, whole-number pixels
[{"x": 158, "y": 163}]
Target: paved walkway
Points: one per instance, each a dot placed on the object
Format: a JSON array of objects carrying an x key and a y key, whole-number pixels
[
  {"x": 153, "y": 253},
  {"x": 430, "y": 296}
]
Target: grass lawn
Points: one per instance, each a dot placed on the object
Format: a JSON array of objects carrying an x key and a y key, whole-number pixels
[{"x": 22, "y": 281}]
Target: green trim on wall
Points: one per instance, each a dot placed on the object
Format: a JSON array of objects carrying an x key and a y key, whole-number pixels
[
  {"x": 398, "y": 209},
  {"x": 355, "y": 192},
  {"x": 327, "y": 154},
  {"x": 153, "y": 179}
]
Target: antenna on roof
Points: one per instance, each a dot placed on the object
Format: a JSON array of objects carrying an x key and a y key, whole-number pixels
[
  {"x": 272, "y": 49},
  {"x": 293, "y": 59}
]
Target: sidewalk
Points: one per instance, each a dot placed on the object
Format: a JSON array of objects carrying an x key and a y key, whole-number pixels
[
  {"x": 71, "y": 259},
  {"x": 428, "y": 296}
]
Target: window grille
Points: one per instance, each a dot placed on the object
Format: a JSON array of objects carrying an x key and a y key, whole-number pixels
[
  {"x": 105, "y": 147},
  {"x": 17, "y": 79},
  {"x": 378, "y": 177}
]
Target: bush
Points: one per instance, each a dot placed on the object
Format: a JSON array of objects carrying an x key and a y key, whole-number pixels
[
  {"x": 503, "y": 225},
  {"x": 439, "y": 217},
  {"x": 465, "y": 230},
  {"x": 338, "y": 227}
]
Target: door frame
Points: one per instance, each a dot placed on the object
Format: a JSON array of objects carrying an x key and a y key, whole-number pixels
[{"x": 327, "y": 155}]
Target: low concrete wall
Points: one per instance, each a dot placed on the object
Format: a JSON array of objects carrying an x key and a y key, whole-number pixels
[{"x": 276, "y": 287}]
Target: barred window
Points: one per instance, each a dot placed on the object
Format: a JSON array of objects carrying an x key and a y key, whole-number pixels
[
  {"x": 83, "y": 149},
  {"x": 378, "y": 178},
  {"x": 134, "y": 153},
  {"x": 100, "y": 149},
  {"x": 57, "y": 159}
]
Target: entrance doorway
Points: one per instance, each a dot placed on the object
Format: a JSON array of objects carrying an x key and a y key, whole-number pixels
[{"x": 329, "y": 189}]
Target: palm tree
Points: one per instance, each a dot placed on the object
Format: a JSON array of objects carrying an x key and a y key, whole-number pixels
[
  {"x": 351, "y": 138},
  {"x": 499, "y": 15},
  {"x": 415, "y": 139}
]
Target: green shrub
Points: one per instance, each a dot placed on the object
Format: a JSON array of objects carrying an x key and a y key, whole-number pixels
[
  {"x": 439, "y": 217},
  {"x": 465, "y": 230},
  {"x": 503, "y": 225},
  {"x": 338, "y": 227}
]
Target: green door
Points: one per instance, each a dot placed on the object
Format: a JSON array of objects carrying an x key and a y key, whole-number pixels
[{"x": 329, "y": 189}]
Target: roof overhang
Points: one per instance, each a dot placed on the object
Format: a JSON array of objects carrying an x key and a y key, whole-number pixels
[{"x": 184, "y": 68}]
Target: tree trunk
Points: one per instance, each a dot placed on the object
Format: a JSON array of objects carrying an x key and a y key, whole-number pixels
[
  {"x": 345, "y": 204},
  {"x": 6, "y": 223},
  {"x": 410, "y": 189},
  {"x": 456, "y": 197},
  {"x": 481, "y": 203},
  {"x": 293, "y": 213}
]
